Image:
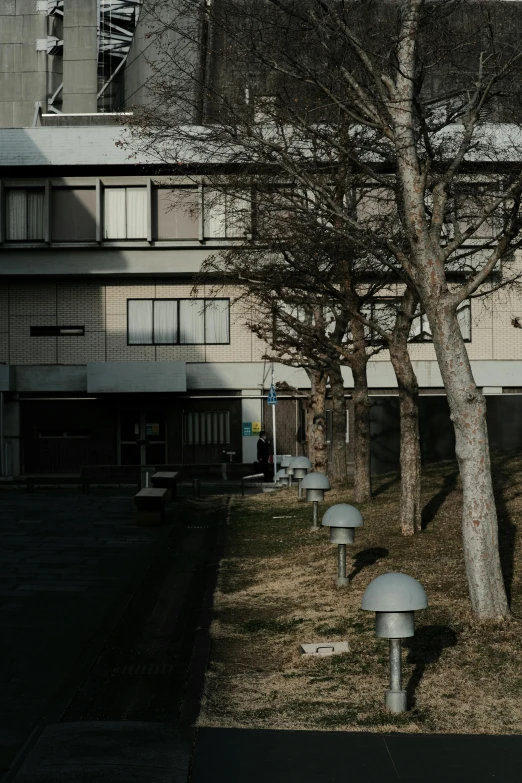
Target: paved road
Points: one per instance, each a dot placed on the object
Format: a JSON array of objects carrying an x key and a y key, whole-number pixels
[
  {"x": 89, "y": 604},
  {"x": 238, "y": 755}
]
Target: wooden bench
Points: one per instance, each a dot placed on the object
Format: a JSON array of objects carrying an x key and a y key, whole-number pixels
[
  {"x": 150, "y": 505},
  {"x": 166, "y": 479},
  {"x": 113, "y": 475}
]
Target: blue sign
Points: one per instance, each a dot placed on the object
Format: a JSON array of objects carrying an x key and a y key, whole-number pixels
[{"x": 272, "y": 396}]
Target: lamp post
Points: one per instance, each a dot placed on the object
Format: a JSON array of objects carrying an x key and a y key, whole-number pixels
[
  {"x": 300, "y": 466},
  {"x": 394, "y": 598},
  {"x": 342, "y": 519},
  {"x": 281, "y": 478},
  {"x": 315, "y": 484},
  {"x": 285, "y": 463}
]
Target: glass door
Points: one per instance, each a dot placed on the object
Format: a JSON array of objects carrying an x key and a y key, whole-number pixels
[
  {"x": 142, "y": 438},
  {"x": 130, "y": 433},
  {"x": 155, "y": 446}
]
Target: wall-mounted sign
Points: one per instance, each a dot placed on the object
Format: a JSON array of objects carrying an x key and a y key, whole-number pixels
[
  {"x": 247, "y": 428},
  {"x": 256, "y": 427},
  {"x": 152, "y": 429}
]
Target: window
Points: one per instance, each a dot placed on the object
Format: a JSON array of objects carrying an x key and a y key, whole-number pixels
[
  {"x": 125, "y": 213},
  {"x": 469, "y": 204},
  {"x": 25, "y": 214},
  {"x": 206, "y": 427},
  {"x": 73, "y": 214},
  {"x": 226, "y": 215},
  {"x": 329, "y": 426},
  {"x": 178, "y": 321},
  {"x": 57, "y": 331},
  {"x": 421, "y": 331},
  {"x": 175, "y": 213},
  {"x": 383, "y": 313}
]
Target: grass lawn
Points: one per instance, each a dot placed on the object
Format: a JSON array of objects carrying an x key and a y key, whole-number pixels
[{"x": 276, "y": 590}]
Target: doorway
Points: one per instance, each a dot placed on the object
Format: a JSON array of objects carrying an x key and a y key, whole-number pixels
[{"x": 142, "y": 439}]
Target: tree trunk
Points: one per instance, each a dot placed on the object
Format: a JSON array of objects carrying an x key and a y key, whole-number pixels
[
  {"x": 468, "y": 414},
  {"x": 410, "y": 452},
  {"x": 467, "y": 404},
  {"x": 361, "y": 435},
  {"x": 337, "y": 466},
  {"x": 316, "y": 421}
]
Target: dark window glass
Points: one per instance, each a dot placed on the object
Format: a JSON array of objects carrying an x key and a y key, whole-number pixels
[
  {"x": 73, "y": 215},
  {"x": 175, "y": 213}
]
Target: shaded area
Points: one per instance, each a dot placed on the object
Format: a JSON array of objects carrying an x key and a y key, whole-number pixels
[
  {"x": 386, "y": 485},
  {"x": 430, "y": 510},
  {"x": 142, "y": 672},
  {"x": 502, "y": 470},
  {"x": 365, "y": 558},
  {"x": 437, "y": 435},
  {"x": 425, "y": 648}
]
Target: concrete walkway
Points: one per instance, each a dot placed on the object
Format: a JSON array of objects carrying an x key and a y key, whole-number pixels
[{"x": 99, "y": 637}]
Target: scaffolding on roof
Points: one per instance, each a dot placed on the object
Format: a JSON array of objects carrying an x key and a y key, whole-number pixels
[{"x": 116, "y": 26}]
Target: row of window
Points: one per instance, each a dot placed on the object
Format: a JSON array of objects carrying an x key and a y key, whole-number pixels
[
  {"x": 207, "y": 322},
  {"x": 90, "y": 214},
  {"x": 382, "y": 312},
  {"x": 154, "y": 213},
  {"x": 165, "y": 322}
]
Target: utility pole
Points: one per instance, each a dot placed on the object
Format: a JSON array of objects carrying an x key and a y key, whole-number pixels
[{"x": 274, "y": 435}]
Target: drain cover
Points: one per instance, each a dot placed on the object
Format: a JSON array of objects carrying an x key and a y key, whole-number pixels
[{"x": 144, "y": 668}]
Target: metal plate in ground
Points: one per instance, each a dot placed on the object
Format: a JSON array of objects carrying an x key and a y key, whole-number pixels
[{"x": 324, "y": 648}]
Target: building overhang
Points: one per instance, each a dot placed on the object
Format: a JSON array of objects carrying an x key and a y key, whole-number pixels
[{"x": 136, "y": 377}]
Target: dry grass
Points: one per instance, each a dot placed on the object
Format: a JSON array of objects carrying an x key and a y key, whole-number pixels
[{"x": 276, "y": 590}]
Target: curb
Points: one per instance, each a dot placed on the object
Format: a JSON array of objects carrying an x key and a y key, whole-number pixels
[{"x": 202, "y": 640}]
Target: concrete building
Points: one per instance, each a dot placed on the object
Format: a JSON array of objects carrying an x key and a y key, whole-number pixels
[{"x": 105, "y": 355}]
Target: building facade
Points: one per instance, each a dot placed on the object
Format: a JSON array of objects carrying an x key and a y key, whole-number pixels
[{"x": 107, "y": 354}]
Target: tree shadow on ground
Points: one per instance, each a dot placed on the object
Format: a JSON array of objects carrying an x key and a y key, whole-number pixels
[
  {"x": 507, "y": 530},
  {"x": 431, "y": 508},
  {"x": 425, "y": 648},
  {"x": 365, "y": 558},
  {"x": 386, "y": 485}
]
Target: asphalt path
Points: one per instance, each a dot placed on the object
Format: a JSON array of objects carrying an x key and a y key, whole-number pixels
[{"x": 102, "y": 646}]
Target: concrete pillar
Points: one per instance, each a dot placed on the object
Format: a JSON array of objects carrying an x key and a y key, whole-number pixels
[
  {"x": 11, "y": 437},
  {"x": 80, "y": 57},
  {"x": 23, "y": 69}
]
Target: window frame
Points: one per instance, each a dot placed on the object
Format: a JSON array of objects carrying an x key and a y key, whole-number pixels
[
  {"x": 373, "y": 338},
  {"x": 155, "y": 206},
  {"x": 103, "y": 220},
  {"x": 329, "y": 425},
  {"x": 211, "y": 197},
  {"x": 189, "y": 423},
  {"x": 55, "y": 189},
  {"x": 178, "y": 300},
  {"x": 41, "y": 188},
  {"x": 464, "y": 305}
]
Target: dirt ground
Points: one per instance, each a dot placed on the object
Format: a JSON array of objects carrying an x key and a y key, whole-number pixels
[{"x": 276, "y": 591}]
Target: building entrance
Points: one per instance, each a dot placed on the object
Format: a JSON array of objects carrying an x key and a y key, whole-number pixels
[{"x": 142, "y": 438}]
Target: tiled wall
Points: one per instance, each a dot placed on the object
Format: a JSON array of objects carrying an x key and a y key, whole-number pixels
[{"x": 102, "y": 310}]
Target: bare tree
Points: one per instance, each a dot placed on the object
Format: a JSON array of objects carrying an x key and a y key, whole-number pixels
[{"x": 412, "y": 102}]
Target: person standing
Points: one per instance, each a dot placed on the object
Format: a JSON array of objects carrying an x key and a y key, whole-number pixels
[{"x": 263, "y": 455}]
